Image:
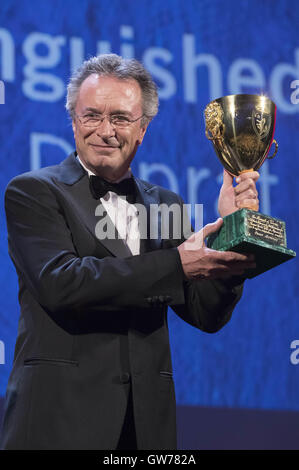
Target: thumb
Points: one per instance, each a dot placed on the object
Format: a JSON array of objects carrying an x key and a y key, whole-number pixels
[
  {"x": 196, "y": 240},
  {"x": 212, "y": 228},
  {"x": 227, "y": 179}
]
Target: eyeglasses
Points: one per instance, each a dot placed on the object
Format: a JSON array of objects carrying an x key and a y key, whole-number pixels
[{"x": 93, "y": 120}]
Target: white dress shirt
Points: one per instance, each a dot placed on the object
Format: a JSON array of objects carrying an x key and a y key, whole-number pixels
[{"x": 123, "y": 214}]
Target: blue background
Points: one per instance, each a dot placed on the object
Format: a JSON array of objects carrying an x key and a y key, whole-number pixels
[{"x": 248, "y": 363}]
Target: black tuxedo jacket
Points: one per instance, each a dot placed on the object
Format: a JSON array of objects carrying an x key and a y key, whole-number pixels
[{"x": 93, "y": 319}]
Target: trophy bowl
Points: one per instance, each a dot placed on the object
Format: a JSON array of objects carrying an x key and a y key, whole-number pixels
[{"x": 241, "y": 128}]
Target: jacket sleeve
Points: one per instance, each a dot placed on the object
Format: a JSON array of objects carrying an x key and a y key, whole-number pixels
[
  {"x": 208, "y": 304},
  {"x": 41, "y": 248}
]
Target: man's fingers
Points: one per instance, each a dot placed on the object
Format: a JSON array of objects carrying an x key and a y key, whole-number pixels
[
  {"x": 254, "y": 175},
  {"x": 231, "y": 257},
  {"x": 246, "y": 185},
  {"x": 252, "y": 204}
]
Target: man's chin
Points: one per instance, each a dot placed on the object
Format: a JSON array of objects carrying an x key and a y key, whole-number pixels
[{"x": 103, "y": 161}]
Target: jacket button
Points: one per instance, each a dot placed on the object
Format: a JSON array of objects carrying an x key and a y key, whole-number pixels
[{"x": 125, "y": 378}]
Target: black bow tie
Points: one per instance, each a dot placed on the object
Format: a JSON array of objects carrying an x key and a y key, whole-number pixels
[{"x": 99, "y": 187}]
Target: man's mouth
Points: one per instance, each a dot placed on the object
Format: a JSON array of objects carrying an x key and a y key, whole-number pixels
[{"x": 104, "y": 147}]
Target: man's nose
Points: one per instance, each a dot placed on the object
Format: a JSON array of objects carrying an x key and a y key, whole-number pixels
[{"x": 105, "y": 128}]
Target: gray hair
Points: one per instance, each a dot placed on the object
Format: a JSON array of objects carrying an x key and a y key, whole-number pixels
[{"x": 123, "y": 69}]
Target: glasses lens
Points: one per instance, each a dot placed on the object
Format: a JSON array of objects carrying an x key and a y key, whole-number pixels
[
  {"x": 115, "y": 121},
  {"x": 89, "y": 121}
]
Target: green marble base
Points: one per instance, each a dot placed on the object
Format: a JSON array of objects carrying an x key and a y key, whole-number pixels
[{"x": 247, "y": 231}]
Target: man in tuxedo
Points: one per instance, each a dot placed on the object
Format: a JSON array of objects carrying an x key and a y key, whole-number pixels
[{"x": 92, "y": 366}]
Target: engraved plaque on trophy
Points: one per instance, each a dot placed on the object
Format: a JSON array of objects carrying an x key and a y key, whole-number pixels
[{"x": 241, "y": 128}]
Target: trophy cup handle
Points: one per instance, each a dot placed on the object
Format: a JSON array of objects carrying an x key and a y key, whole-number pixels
[
  {"x": 217, "y": 133},
  {"x": 208, "y": 136},
  {"x": 275, "y": 150}
]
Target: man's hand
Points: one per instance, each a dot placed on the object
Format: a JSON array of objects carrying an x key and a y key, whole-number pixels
[
  {"x": 200, "y": 262},
  {"x": 243, "y": 195}
]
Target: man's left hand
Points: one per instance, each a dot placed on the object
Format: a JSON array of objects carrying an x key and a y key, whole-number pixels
[{"x": 244, "y": 194}]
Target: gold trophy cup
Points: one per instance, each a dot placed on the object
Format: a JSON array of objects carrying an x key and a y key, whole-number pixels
[{"x": 241, "y": 129}]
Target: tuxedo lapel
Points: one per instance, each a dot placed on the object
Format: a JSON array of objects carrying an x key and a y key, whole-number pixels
[
  {"x": 148, "y": 195},
  {"x": 90, "y": 210}
]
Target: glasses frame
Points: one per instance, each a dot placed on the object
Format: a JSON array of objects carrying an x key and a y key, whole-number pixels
[{"x": 127, "y": 124}]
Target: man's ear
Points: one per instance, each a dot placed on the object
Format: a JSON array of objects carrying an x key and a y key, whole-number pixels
[
  {"x": 142, "y": 134},
  {"x": 74, "y": 126}
]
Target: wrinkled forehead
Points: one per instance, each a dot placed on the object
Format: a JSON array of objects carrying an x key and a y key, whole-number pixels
[{"x": 108, "y": 92}]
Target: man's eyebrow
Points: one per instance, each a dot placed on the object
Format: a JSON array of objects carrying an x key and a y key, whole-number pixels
[
  {"x": 121, "y": 111},
  {"x": 93, "y": 110},
  {"x": 116, "y": 111}
]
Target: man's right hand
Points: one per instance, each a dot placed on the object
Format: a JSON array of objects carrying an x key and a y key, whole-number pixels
[{"x": 200, "y": 262}]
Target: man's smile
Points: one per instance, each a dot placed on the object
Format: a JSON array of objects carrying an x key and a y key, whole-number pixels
[{"x": 103, "y": 146}]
